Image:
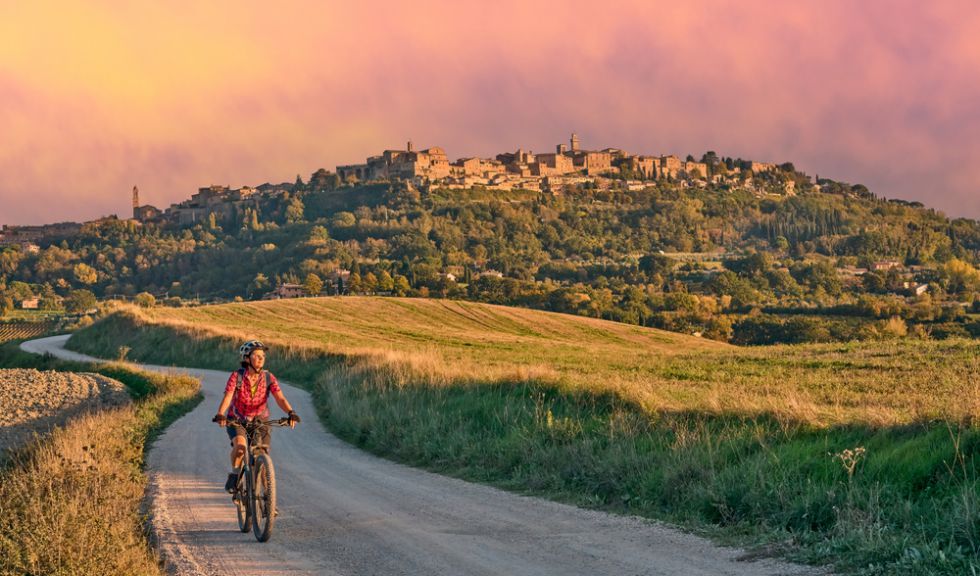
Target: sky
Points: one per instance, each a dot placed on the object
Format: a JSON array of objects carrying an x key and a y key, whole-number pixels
[{"x": 99, "y": 96}]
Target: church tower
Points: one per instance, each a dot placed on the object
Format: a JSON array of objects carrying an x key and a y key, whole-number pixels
[
  {"x": 574, "y": 142},
  {"x": 136, "y": 203}
]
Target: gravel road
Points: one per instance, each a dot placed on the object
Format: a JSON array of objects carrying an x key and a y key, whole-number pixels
[
  {"x": 343, "y": 511},
  {"x": 32, "y": 401}
]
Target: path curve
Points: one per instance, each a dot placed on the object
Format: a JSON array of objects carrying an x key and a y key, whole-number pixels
[{"x": 346, "y": 512}]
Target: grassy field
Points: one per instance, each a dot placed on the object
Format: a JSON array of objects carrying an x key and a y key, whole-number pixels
[
  {"x": 70, "y": 502},
  {"x": 857, "y": 454}
]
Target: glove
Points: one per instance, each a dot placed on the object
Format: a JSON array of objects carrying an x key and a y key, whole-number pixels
[
  {"x": 294, "y": 417},
  {"x": 221, "y": 419}
]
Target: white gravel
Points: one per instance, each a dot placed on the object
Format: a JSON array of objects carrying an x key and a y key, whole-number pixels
[{"x": 32, "y": 401}]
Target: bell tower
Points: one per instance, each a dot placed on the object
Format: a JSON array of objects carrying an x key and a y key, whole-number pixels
[{"x": 136, "y": 202}]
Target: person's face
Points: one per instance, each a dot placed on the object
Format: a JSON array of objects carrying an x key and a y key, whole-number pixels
[{"x": 257, "y": 359}]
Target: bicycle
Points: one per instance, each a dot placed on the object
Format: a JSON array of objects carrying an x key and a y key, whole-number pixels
[{"x": 255, "y": 491}]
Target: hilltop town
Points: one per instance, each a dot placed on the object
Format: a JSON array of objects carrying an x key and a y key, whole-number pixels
[
  {"x": 568, "y": 166},
  {"x": 697, "y": 245}
]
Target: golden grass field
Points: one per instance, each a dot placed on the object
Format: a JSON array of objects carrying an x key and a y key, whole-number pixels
[{"x": 880, "y": 384}]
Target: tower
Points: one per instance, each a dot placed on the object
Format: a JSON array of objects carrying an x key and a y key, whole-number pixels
[
  {"x": 136, "y": 202},
  {"x": 574, "y": 142},
  {"x": 410, "y": 146}
]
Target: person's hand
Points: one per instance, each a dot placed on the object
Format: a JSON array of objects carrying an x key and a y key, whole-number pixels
[
  {"x": 221, "y": 419},
  {"x": 293, "y": 419}
]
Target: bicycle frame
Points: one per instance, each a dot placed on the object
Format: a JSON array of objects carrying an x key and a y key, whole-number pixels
[
  {"x": 252, "y": 427},
  {"x": 245, "y": 497}
]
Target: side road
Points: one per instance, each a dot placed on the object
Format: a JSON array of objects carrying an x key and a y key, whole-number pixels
[{"x": 346, "y": 512}]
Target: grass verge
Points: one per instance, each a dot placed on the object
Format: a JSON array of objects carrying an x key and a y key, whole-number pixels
[
  {"x": 871, "y": 499},
  {"x": 70, "y": 502}
]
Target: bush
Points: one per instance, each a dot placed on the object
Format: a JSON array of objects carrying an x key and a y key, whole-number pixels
[{"x": 145, "y": 299}]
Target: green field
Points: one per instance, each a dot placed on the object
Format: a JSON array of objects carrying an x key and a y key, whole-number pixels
[{"x": 857, "y": 454}]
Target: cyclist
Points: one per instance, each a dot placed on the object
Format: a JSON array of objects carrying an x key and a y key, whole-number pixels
[{"x": 247, "y": 394}]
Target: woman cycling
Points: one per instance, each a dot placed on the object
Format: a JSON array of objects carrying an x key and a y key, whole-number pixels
[{"x": 247, "y": 394}]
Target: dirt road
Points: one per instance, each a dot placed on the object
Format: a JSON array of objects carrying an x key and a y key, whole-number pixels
[{"x": 346, "y": 512}]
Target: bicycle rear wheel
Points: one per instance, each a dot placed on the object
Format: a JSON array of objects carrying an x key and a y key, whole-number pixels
[
  {"x": 243, "y": 503},
  {"x": 264, "y": 503}
]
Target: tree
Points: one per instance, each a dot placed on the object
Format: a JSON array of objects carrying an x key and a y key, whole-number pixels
[
  {"x": 401, "y": 286},
  {"x": 312, "y": 285},
  {"x": 728, "y": 283},
  {"x": 751, "y": 266},
  {"x": 78, "y": 301},
  {"x": 961, "y": 276},
  {"x": 354, "y": 284},
  {"x": 385, "y": 282},
  {"x": 260, "y": 283},
  {"x": 654, "y": 264},
  {"x": 6, "y": 304},
  {"x": 343, "y": 220},
  {"x": 318, "y": 235},
  {"x": 323, "y": 180},
  {"x": 370, "y": 283},
  {"x": 294, "y": 211},
  {"x": 85, "y": 273}
]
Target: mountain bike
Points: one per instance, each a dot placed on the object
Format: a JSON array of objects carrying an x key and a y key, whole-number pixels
[{"x": 255, "y": 491}]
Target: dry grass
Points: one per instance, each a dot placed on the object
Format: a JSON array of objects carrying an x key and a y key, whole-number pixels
[
  {"x": 70, "y": 502},
  {"x": 444, "y": 342},
  {"x": 69, "y": 507},
  {"x": 749, "y": 443}
]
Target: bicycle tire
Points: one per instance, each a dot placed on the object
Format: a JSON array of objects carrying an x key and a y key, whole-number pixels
[
  {"x": 243, "y": 503},
  {"x": 264, "y": 497}
]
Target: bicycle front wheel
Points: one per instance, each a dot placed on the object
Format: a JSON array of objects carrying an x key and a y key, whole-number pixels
[
  {"x": 243, "y": 503},
  {"x": 264, "y": 503}
]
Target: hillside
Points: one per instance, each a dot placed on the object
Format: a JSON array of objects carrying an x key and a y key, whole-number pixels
[
  {"x": 747, "y": 266},
  {"x": 447, "y": 339},
  {"x": 849, "y": 454},
  {"x": 453, "y": 341}
]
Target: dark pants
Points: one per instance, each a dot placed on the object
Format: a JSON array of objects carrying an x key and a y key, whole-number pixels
[{"x": 261, "y": 435}]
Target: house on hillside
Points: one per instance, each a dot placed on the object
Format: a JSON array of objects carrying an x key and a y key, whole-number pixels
[
  {"x": 883, "y": 265},
  {"x": 286, "y": 290},
  {"x": 915, "y": 288},
  {"x": 30, "y": 303}
]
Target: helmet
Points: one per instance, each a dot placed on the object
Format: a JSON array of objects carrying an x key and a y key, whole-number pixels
[{"x": 247, "y": 348}]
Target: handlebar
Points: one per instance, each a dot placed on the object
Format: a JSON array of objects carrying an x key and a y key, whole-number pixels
[{"x": 282, "y": 422}]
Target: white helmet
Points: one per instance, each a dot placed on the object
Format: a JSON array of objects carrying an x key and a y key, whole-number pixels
[{"x": 247, "y": 348}]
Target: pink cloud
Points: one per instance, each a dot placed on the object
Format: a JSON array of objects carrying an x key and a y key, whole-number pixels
[{"x": 869, "y": 92}]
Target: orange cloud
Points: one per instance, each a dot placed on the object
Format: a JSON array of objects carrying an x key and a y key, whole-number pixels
[{"x": 96, "y": 97}]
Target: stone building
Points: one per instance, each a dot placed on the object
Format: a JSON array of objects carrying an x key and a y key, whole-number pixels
[
  {"x": 593, "y": 163},
  {"x": 147, "y": 213},
  {"x": 757, "y": 167},
  {"x": 477, "y": 167},
  {"x": 217, "y": 200},
  {"x": 286, "y": 290},
  {"x": 553, "y": 165},
  {"x": 670, "y": 166},
  {"x": 646, "y": 166},
  {"x": 696, "y": 169},
  {"x": 429, "y": 164},
  {"x": 519, "y": 162}
]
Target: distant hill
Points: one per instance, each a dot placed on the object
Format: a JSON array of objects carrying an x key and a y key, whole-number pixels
[{"x": 728, "y": 261}]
